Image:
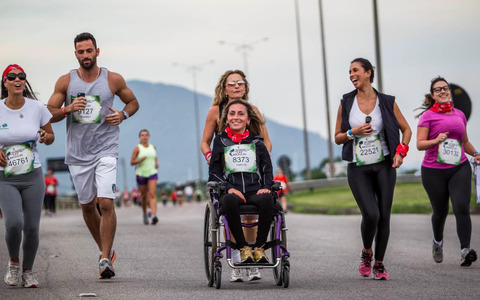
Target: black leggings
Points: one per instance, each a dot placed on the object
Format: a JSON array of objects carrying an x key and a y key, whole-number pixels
[
  {"x": 454, "y": 183},
  {"x": 231, "y": 205},
  {"x": 372, "y": 187}
]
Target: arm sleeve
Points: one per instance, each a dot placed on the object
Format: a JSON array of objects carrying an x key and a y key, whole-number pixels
[
  {"x": 215, "y": 171},
  {"x": 424, "y": 120}
]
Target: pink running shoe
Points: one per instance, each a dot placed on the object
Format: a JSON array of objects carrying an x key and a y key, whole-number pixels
[
  {"x": 365, "y": 267},
  {"x": 379, "y": 272}
]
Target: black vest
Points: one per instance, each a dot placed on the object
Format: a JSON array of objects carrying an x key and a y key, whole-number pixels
[{"x": 391, "y": 129}]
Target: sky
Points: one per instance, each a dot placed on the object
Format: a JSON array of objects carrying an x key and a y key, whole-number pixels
[{"x": 156, "y": 41}]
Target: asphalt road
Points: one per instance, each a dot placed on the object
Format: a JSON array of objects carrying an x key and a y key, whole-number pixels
[{"x": 166, "y": 261}]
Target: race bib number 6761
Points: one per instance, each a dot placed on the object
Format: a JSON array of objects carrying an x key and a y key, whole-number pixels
[{"x": 19, "y": 160}]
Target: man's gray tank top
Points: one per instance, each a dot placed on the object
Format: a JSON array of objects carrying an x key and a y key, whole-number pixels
[{"x": 90, "y": 139}]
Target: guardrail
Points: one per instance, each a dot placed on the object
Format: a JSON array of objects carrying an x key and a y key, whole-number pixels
[{"x": 319, "y": 183}]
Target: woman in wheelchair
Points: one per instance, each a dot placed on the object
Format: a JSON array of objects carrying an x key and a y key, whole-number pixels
[{"x": 241, "y": 160}]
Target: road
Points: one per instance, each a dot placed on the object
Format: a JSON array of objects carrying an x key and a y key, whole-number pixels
[{"x": 166, "y": 261}]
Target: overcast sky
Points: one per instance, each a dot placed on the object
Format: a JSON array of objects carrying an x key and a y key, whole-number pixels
[{"x": 142, "y": 39}]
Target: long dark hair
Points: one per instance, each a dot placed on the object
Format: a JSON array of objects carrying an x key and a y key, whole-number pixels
[
  {"x": 429, "y": 101},
  {"x": 256, "y": 123}
]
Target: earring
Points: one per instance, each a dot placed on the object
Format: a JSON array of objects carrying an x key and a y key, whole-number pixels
[{"x": 226, "y": 97}]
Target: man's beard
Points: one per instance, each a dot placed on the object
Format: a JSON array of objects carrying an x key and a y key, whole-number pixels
[{"x": 92, "y": 63}]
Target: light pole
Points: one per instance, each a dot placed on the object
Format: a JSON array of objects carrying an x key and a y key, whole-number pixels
[
  {"x": 244, "y": 48},
  {"x": 194, "y": 69},
  {"x": 377, "y": 47},
  {"x": 325, "y": 78},
  {"x": 302, "y": 90}
]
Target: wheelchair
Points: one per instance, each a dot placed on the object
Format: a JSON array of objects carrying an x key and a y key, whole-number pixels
[{"x": 217, "y": 238}]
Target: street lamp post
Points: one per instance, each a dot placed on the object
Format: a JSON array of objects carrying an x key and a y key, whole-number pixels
[
  {"x": 244, "y": 48},
  {"x": 194, "y": 69},
  {"x": 377, "y": 47},
  {"x": 302, "y": 91},
  {"x": 324, "y": 57}
]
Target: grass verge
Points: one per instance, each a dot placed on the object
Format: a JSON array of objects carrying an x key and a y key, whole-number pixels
[{"x": 409, "y": 198}]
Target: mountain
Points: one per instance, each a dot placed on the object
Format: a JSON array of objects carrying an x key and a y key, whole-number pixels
[{"x": 167, "y": 111}]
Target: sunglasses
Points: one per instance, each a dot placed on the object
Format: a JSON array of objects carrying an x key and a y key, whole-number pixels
[
  {"x": 12, "y": 76},
  {"x": 233, "y": 83},
  {"x": 439, "y": 89}
]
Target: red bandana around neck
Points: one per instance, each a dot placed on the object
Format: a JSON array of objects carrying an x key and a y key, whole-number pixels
[
  {"x": 442, "y": 107},
  {"x": 236, "y": 137}
]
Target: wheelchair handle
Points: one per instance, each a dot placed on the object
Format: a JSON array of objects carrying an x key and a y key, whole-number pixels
[
  {"x": 276, "y": 186},
  {"x": 216, "y": 185}
]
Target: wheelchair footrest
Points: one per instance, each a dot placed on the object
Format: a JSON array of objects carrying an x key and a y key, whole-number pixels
[{"x": 252, "y": 265}]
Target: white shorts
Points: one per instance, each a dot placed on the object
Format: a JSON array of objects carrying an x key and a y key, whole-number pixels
[{"x": 98, "y": 179}]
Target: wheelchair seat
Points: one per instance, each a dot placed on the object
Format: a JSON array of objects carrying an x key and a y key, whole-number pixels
[{"x": 248, "y": 209}]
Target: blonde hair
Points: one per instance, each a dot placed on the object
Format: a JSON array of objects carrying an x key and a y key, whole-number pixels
[
  {"x": 222, "y": 82},
  {"x": 256, "y": 123}
]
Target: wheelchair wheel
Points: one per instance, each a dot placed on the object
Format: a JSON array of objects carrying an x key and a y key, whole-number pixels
[
  {"x": 277, "y": 272},
  {"x": 209, "y": 242},
  {"x": 218, "y": 275},
  {"x": 286, "y": 273}
]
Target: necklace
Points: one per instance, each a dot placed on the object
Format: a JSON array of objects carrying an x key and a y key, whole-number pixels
[
  {"x": 81, "y": 76},
  {"x": 15, "y": 109}
]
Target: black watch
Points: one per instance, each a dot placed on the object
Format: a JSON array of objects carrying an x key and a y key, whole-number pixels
[{"x": 125, "y": 115}]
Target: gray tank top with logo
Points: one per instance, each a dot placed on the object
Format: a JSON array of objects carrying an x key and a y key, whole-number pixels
[{"x": 89, "y": 137}]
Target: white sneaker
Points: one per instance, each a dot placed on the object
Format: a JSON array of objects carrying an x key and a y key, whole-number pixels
[
  {"x": 253, "y": 274},
  {"x": 236, "y": 275},
  {"x": 29, "y": 280},
  {"x": 12, "y": 276}
]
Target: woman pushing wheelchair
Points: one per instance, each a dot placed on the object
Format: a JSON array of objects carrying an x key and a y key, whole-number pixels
[{"x": 241, "y": 160}]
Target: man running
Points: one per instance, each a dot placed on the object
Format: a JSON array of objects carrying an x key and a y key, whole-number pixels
[{"x": 85, "y": 97}]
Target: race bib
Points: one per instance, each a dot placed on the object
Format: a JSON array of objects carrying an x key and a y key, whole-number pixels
[
  {"x": 240, "y": 158},
  {"x": 91, "y": 113},
  {"x": 19, "y": 159},
  {"x": 368, "y": 150},
  {"x": 50, "y": 189},
  {"x": 450, "y": 152}
]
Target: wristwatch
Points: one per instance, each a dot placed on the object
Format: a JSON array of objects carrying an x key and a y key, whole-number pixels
[
  {"x": 350, "y": 134},
  {"x": 125, "y": 115}
]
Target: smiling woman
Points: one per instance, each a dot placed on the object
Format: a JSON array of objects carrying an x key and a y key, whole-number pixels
[
  {"x": 26, "y": 121},
  {"x": 368, "y": 124},
  {"x": 446, "y": 171}
]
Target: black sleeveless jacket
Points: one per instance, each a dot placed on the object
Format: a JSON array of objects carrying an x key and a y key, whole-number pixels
[{"x": 390, "y": 124}]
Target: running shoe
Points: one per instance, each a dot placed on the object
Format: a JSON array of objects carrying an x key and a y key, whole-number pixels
[
  {"x": 106, "y": 269},
  {"x": 379, "y": 272},
  {"x": 437, "y": 252},
  {"x": 253, "y": 274},
  {"x": 112, "y": 256},
  {"x": 260, "y": 256},
  {"x": 236, "y": 275},
  {"x": 246, "y": 255},
  {"x": 468, "y": 256},
  {"x": 154, "y": 220},
  {"x": 29, "y": 280},
  {"x": 365, "y": 267},
  {"x": 13, "y": 274},
  {"x": 145, "y": 219}
]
